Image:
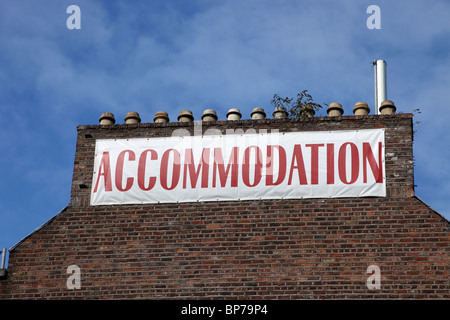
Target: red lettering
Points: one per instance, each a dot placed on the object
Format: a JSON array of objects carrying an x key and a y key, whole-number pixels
[
  {"x": 270, "y": 162},
  {"x": 297, "y": 158},
  {"x": 227, "y": 174},
  {"x": 105, "y": 171},
  {"x": 246, "y": 166},
  {"x": 119, "y": 170},
  {"x": 314, "y": 162},
  {"x": 141, "y": 170},
  {"x": 342, "y": 162},
  {"x": 223, "y": 173},
  {"x": 377, "y": 170},
  {"x": 189, "y": 167},
  {"x": 175, "y": 169},
  {"x": 330, "y": 163}
]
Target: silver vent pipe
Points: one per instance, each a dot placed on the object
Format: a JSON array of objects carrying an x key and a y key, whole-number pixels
[
  {"x": 3, "y": 259},
  {"x": 380, "y": 83}
]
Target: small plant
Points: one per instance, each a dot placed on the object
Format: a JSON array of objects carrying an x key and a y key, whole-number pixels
[{"x": 302, "y": 107}]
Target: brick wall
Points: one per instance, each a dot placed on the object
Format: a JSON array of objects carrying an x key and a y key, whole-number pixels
[{"x": 266, "y": 249}]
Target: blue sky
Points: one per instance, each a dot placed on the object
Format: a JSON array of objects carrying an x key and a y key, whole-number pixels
[{"x": 171, "y": 55}]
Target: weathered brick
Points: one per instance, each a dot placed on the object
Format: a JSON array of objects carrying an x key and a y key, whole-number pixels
[{"x": 259, "y": 249}]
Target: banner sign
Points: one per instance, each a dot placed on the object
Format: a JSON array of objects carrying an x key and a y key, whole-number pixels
[{"x": 290, "y": 165}]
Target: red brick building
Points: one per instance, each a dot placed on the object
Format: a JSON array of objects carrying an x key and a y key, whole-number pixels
[{"x": 308, "y": 248}]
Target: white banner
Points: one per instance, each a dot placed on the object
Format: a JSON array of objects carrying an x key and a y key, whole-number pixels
[{"x": 291, "y": 165}]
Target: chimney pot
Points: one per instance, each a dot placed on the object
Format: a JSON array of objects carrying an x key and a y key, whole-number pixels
[
  {"x": 185, "y": 116},
  {"x": 161, "y": 117},
  {"x": 107, "y": 118},
  {"x": 209, "y": 115},
  {"x": 132, "y": 117},
  {"x": 258, "y": 113},
  {"x": 387, "y": 107},
  {"x": 361, "y": 109},
  {"x": 335, "y": 109},
  {"x": 234, "y": 114},
  {"x": 280, "y": 113}
]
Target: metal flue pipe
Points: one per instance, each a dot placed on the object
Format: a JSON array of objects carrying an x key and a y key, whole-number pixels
[
  {"x": 380, "y": 83},
  {"x": 3, "y": 258}
]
